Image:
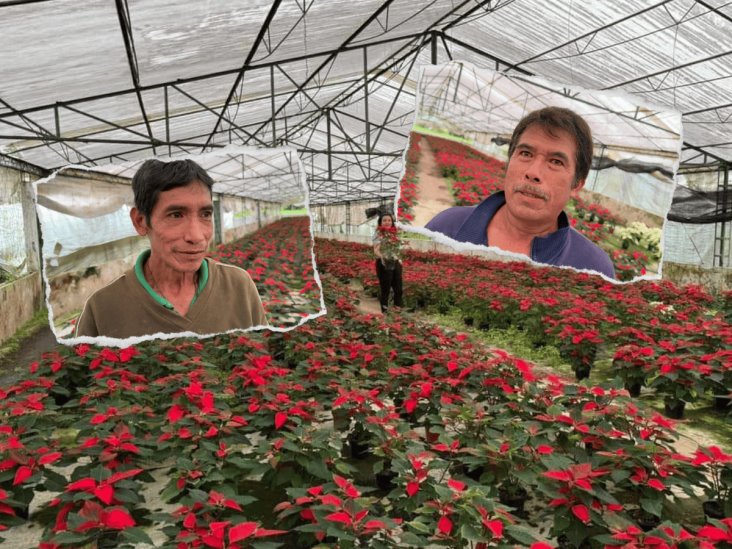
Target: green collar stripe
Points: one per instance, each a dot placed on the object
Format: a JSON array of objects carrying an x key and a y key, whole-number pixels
[{"x": 139, "y": 272}]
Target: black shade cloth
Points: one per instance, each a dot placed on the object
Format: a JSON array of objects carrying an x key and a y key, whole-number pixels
[{"x": 697, "y": 207}]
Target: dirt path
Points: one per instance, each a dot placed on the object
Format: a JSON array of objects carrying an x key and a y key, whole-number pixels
[
  {"x": 366, "y": 304},
  {"x": 433, "y": 194},
  {"x": 15, "y": 365}
]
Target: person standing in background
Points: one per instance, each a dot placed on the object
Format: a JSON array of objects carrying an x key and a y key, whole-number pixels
[{"x": 387, "y": 249}]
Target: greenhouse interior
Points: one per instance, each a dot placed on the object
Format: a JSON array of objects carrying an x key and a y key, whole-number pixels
[{"x": 331, "y": 355}]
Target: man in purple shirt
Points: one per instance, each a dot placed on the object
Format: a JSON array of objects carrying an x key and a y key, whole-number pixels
[{"x": 549, "y": 158}]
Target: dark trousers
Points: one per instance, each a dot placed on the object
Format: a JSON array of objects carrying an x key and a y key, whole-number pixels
[{"x": 389, "y": 279}]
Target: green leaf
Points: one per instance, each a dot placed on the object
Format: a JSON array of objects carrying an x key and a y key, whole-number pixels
[
  {"x": 318, "y": 469},
  {"x": 266, "y": 545},
  {"x": 419, "y": 526},
  {"x": 520, "y": 534},
  {"x": 170, "y": 491},
  {"x": 136, "y": 535},
  {"x": 309, "y": 528},
  {"x": 411, "y": 540},
  {"x": 198, "y": 495},
  {"x": 345, "y": 468},
  {"x": 652, "y": 506},
  {"x": 69, "y": 538},
  {"x": 603, "y": 494},
  {"x": 561, "y": 521},
  {"x": 126, "y": 496},
  {"x": 469, "y": 533},
  {"x": 54, "y": 482},
  {"x": 619, "y": 475},
  {"x": 576, "y": 533}
]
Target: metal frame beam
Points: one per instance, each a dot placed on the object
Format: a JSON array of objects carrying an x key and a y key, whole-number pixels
[
  {"x": 330, "y": 58},
  {"x": 123, "y": 14},
  {"x": 252, "y": 52}
]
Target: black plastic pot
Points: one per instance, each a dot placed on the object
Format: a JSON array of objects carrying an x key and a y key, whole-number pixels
[
  {"x": 515, "y": 497},
  {"x": 722, "y": 403},
  {"x": 633, "y": 388},
  {"x": 674, "y": 409},
  {"x": 385, "y": 478},
  {"x": 582, "y": 372},
  {"x": 713, "y": 509},
  {"x": 646, "y": 521},
  {"x": 358, "y": 442}
]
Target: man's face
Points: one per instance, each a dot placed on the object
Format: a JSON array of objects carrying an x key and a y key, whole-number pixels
[
  {"x": 180, "y": 228},
  {"x": 539, "y": 177}
]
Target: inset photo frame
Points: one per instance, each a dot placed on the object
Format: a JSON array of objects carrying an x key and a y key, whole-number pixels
[
  {"x": 167, "y": 247},
  {"x": 462, "y": 188}
]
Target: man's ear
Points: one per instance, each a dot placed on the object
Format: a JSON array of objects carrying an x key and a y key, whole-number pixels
[
  {"x": 577, "y": 186},
  {"x": 139, "y": 221}
]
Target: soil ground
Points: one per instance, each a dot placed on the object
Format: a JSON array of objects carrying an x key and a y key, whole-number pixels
[{"x": 14, "y": 365}]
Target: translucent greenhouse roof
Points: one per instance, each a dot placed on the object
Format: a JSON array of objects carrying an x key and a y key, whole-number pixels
[
  {"x": 105, "y": 82},
  {"x": 461, "y": 96},
  {"x": 273, "y": 175}
]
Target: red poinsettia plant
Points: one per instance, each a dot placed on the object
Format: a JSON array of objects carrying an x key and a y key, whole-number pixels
[{"x": 390, "y": 246}]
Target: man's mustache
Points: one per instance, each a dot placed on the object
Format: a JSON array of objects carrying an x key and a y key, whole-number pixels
[{"x": 531, "y": 190}]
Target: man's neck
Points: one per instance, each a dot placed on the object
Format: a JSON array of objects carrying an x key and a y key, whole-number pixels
[
  {"x": 176, "y": 287},
  {"x": 513, "y": 235}
]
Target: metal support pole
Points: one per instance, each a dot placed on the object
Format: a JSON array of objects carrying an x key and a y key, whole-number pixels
[
  {"x": 30, "y": 225},
  {"x": 723, "y": 198},
  {"x": 330, "y": 149},
  {"x": 348, "y": 218},
  {"x": 259, "y": 216},
  {"x": 218, "y": 220},
  {"x": 58, "y": 121},
  {"x": 272, "y": 97},
  {"x": 167, "y": 120},
  {"x": 433, "y": 48},
  {"x": 366, "y": 109}
]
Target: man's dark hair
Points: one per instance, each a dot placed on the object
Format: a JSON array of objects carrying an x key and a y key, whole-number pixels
[
  {"x": 552, "y": 120},
  {"x": 382, "y": 215},
  {"x": 155, "y": 177}
]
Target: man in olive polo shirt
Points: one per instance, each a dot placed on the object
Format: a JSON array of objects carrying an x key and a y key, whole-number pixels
[{"x": 173, "y": 287}]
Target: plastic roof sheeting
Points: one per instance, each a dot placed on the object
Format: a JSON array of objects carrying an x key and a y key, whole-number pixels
[
  {"x": 487, "y": 101},
  {"x": 115, "y": 81}
]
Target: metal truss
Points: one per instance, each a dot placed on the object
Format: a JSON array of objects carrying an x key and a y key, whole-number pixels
[{"x": 320, "y": 130}]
